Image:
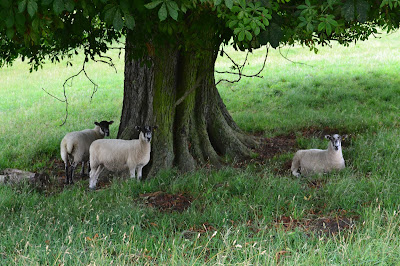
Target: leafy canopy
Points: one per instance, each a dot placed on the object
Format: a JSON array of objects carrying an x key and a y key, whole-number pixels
[{"x": 54, "y": 29}]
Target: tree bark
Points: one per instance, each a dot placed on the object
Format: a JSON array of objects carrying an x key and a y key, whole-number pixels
[{"x": 177, "y": 93}]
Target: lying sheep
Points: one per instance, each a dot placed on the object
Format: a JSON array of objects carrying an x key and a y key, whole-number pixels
[
  {"x": 118, "y": 155},
  {"x": 74, "y": 147},
  {"x": 306, "y": 162}
]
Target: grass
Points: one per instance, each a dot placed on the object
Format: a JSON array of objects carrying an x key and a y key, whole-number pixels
[{"x": 237, "y": 215}]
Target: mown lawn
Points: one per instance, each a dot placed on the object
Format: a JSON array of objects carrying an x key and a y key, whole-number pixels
[{"x": 255, "y": 214}]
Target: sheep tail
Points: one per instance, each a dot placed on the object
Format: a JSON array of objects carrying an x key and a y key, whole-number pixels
[
  {"x": 66, "y": 149},
  {"x": 295, "y": 165}
]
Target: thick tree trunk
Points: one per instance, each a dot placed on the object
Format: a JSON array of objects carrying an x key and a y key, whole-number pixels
[{"x": 193, "y": 130}]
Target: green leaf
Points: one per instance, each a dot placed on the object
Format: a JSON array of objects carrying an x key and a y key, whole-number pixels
[
  {"x": 22, "y": 6},
  {"x": 69, "y": 5},
  {"x": 110, "y": 13},
  {"x": 229, "y": 3},
  {"x": 332, "y": 22},
  {"x": 173, "y": 5},
  {"x": 248, "y": 35},
  {"x": 162, "y": 12},
  {"x": 257, "y": 31},
  {"x": 129, "y": 21},
  {"x": 310, "y": 27},
  {"x": 348, "y": 10},
  {"x": 58, "y": 6},
  {"x": 173, "y": 12},
  {"x": 118, "y": 23},
  {"x": 10, "y": 33},
  {"x": 253, "y": 25},
  {"x": 232, "y": 23},
  {"x": 183, "y": 8},
  {"x": 217, "y": 2},
  {"x": 241, "y": 36},
  {"x": 153, "y": 4},
  {"x": 321, "y": 26},
  {"x": 35, "y": 24},
  {"x": 328, "y": 29},
  {"x": 32, "y": 7}
]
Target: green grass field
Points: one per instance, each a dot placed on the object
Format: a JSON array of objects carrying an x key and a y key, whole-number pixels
[{"x": 253, "y": 215}]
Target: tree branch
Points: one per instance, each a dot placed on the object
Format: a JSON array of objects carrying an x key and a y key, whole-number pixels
[
  {"x": 285, "y": 57},
  {"x": 240, "y": 69},
  {"x": 106, "y": 59}
]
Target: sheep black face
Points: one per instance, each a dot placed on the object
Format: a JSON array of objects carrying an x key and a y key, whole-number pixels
[
  {"x": 104, "y": 127},
  {"x": 147, "y": 131},
  {"x": 336, "y": 141}
]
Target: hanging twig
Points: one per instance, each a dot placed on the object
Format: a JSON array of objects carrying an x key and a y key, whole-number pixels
[
  {"x": 82, "y": 70},
  {"x": 240, "y": 69},
  {"x": 285, "y": 57}
]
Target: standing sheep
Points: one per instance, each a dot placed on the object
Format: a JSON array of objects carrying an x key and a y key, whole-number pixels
[
  {"x": 74, "y": 147},
  {"x": 319, "y": 161},
  {"x": 118, "y": 155}
]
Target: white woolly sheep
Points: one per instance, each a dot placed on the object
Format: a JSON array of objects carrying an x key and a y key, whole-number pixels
[
  {"x": 117, "y": 155},
  {"x": 74, "y": 147},
  {"x": 307, "y": 162}
]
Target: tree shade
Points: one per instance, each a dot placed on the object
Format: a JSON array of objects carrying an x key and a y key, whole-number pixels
[{"x": 170, "y": 52}]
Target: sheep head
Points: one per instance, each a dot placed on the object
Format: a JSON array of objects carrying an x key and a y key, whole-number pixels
[
  {"x": 104, "y": 127},
  {"x": 336, "y": 141},
  {"x": 146, "y": 132}
]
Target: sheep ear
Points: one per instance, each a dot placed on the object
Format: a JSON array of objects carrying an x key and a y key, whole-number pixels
[
  {"x": 96, "y": 123},
  {"x": 138, "y": 128},
  {"x": 110, "y": 122},
  {"x": 328, "y": 137}
]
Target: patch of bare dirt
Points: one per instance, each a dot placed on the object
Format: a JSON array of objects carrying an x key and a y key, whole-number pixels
[
  {"x": 328, "y": 225},
  {"x": 270, "y": 147},
  {"x": 167, "y": 202}
]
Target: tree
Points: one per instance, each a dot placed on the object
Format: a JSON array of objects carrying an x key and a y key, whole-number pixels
[{"x": 170, "y": 52}]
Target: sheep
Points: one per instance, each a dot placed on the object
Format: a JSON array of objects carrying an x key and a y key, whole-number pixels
[
  {"x": 319, "y": 161},
  {"x": 74, "y": 147},
  {"x": 117, "y": 155}
]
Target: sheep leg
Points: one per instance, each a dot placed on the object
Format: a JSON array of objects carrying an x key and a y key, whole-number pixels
[
  {"x": 66, "y": 173},
  {"x": 94, "y": 175},
  {"x": 139, "y": 171},
  {"x": 73, "y": 166},
  {"x": 132, "y": 171},
  {"x": 83, "y": 169}
]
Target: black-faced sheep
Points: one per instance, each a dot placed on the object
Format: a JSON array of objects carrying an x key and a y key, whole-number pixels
[{"x": 74, "y": 147}]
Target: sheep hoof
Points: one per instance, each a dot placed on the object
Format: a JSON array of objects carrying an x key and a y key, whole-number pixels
[
  {"x": 296, "y": 174},
  {"x": 92, "y": 188}
]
